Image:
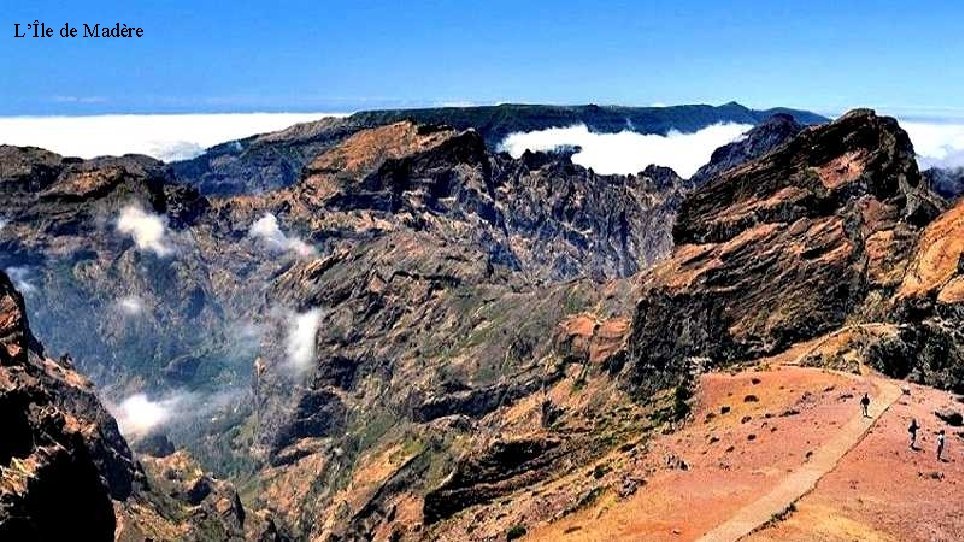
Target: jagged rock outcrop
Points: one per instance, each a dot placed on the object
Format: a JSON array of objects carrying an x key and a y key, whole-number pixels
[
  {"x": 62, "y": 459},
  {"x": 785, "y": 248},
  {"x": 545, "y": 218},
  {"x": 763, "y": 138},
  {"x": 947, "y": 182},
  {"x": 480, "y": 479}
]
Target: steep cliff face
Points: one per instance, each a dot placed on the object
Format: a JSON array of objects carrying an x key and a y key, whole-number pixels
[
  {"x": 67, "y": 473},
  {"x": 62, "y": 459},
  {"x": 929, "y": 345},
  {"x": 791, "y": 246}
]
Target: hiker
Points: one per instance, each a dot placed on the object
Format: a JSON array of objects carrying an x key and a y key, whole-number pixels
[
  {"x": 865, "y": 403},
  {"x": 912, "y": 429},
  {"x": 940, "y": 445}
]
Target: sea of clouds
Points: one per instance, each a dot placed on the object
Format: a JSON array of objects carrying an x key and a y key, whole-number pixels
[
  {"x": 629, "y": 152},
  {"x": 938, "y": 142},
  {"x": 166, "y": 137}
]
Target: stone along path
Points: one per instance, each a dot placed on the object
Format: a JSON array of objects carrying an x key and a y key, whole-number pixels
[{"x": 805, "y": 478}]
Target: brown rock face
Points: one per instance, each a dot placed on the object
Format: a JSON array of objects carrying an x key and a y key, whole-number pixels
[
  {"x": 783, "y": 249},
  {"x": 61, "y": 457},
  {"x": 935, "y": 271},
  {"x": 459, "y": 383},
  {"x": 506, "y": 466},
  {"x": 597, "y": 342},
  {"x": 441, "y": 270}
]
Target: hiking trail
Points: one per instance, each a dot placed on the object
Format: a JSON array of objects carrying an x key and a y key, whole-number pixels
[{"x": 805, "y": 477}]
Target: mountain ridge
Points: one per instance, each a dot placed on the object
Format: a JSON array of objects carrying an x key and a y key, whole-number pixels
[
  {"x": 274, "y": 160},
  {"x": 497, "y": 340}
]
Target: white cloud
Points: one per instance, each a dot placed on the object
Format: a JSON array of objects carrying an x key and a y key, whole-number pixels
[
  {"x": 629, "y": 152},
  {"x": 175, "y": 150},
  {"x": 266, "y": 228},
  {"x": 244, "y": 338},
  {"x": 937, "y": 144},
  {"x": 20, "y": 275},
  {"x": 302, "y": 329},
  {"x": 139, "y": 415},
  {"x": 166, "y": 137},
  {"x": 148, "y": 230},
  {"x": 131, "y": 305},
  {"x": 456, "y": 103},
  {"x": 3, "y": 223}
]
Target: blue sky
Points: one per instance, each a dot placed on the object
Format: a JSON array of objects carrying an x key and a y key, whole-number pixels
[{"x": 343, "y": 56}]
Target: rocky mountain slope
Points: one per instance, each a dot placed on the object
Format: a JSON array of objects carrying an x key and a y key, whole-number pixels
[
  {"x": 420, "y": 229},
  {"x": 763, "y": 138},
  {"x": 275, "y": 160},
  {"x": 67, "y": 473},
  {"x": 176, "y": 307},
  {"x": 946, "y": 182},
  {"x": 815, "y": 238},
  {"x": 455, "y": 345}
]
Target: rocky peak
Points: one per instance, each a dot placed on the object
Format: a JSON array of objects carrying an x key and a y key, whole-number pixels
[
  {"x": 763, "y": 138},
  {"x": 819, "y": 173},
  {"x": 58, "y": 205},
  {"x": 784, "y": 248}
]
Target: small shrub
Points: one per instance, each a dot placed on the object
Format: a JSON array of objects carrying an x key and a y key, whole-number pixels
[{"x": 515, "y": 532}]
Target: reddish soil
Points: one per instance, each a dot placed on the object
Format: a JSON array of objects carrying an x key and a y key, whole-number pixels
[
  {"x": 732, "y": 459},
  {"x": 882, "y": 490}
]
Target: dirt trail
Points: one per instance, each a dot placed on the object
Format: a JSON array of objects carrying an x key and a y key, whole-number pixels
[{"x": 805, "y": 478}]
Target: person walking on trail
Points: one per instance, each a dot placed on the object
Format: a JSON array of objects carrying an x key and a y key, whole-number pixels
[
  {"x": 865, "y": 403},
  {"x": 940, "y": 445},
  {"x": 912, "y": 429}
]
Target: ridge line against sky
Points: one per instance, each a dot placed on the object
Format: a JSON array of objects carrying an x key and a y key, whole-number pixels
[
  {"x": 171, "y": 137},
  {"x": 820, "y": 55}
]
